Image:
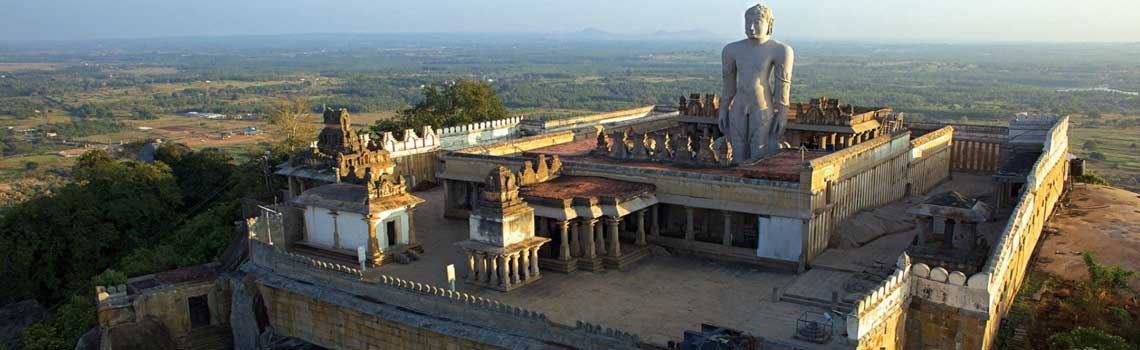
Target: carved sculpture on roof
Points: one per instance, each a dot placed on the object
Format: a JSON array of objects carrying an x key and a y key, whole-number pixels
[
  {"x": 532, "y": 174},
  {"x": 663, "y": 148},
  {"x": 341, "y": 150},
  {"x": 501, "y": 189},
  {"x": 697, "y": 106}
]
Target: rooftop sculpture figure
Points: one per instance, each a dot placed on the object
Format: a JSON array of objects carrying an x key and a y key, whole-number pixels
[{"x": 757, "y": 85}]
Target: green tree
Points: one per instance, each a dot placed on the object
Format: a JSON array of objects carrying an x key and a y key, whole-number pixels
[{"x": 462, "y": 102}]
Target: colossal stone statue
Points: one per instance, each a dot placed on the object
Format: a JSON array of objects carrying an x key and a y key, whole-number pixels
[{"x": 757, "y": 84}]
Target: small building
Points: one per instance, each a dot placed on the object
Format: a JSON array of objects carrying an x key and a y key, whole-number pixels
[
  {"x": 346, "y": 196},
  {"x": 502, "y": 252},
  {"x": 947, "y": 231}
]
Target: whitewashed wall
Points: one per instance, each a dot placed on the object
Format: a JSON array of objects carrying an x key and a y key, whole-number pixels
[
  {"x": 352, "y": 228},
  {"x": 780, "y": 238}
]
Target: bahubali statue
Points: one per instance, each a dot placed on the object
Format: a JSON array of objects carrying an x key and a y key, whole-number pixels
[{"x": 757, "y": 85}]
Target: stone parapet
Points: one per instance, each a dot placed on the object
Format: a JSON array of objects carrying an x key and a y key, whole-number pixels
[
  {"x": 881, "y": 304},
  {"x": 441, "y": 305}
]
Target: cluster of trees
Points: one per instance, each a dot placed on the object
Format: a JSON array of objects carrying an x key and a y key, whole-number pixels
[
  {"x": 445, "y": 105},
  {"x": 130, "y": 216},
  {"x": 86, "y": 127}
]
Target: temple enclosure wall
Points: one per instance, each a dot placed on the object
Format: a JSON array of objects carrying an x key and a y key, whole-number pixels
[
  {"x": 841, "y": 184},
  {"x": 930, "y": 158},
  {"x": 341, "y": 307},
  {"x": 949, "y": 309}
]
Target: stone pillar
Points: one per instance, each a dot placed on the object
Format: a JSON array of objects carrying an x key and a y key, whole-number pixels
[
  {"x": 615, "y": 243},
  {"x": 514, "y": 267},
  {"x": 534, "y": 262},
  {"x": 373, "y": 243},
  {"x": 587, "y": 229},
  {"x": 336, "y": 230},
  {"x": 654, "y": 226},
  {"x": 525, "y": 263},
  {"x": 575, "y": 237},
  {"x": 727, "y": 238},
  {"x": 689, "y": 224},
  {"x": 411, "y": 228},
  {"x": 292, "y": 187},
  {"x": 484, "y": 267},
  {"x": 504, "y": 270},
  {"x": 640, "y": 228},
  {"x": 600, "y": 238},
  {"x": 470, "y": 265},
  {"x": 497, "y": 269},
  {"x": 472, "y": 195},
  {"x": 563, "y": 245}
]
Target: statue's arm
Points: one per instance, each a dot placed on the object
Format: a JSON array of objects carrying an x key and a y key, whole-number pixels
[
  {"x": 783, "y": 77},
  {"x": 782, "y": 92},
  {"x": 728, "y": 86}
]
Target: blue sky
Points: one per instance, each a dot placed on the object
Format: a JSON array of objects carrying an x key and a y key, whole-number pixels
[{"x": 916, "y": 20}]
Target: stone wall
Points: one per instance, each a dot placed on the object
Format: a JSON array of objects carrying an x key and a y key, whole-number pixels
[
  {"x": 462, "y": 136},
  {"x": 944, "y": 309},
  {"x": 169, "y": 307},
  {"x": 562, "y": 124},
  {"x": 1005, "y": 269},
  {"x": 317, "y": 297},
  {"x": 841, "y": 184},
  {"x": 976, "y": 156},
  {"x": 930, "y": 160},
  {"x": 878, "y": 320}
]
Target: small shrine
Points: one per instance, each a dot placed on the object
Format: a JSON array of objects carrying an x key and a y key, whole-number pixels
[{"x": 502, "y": 251}]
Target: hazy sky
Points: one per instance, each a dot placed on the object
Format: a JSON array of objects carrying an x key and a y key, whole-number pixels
[{"x": 923, "y": 20}]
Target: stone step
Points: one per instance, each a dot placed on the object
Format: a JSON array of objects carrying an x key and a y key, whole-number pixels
[{"x": 842, "y": 306}]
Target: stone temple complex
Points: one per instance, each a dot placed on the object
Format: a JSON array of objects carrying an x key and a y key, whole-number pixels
[{"x": 840, "y": 227}]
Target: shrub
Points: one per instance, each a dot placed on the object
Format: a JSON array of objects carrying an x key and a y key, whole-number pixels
[
  {"x": 1087, "y": 338},
  {"x": 1091, "y": 178}
]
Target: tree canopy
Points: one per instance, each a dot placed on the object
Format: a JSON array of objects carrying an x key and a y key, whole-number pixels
[{"x": 451, "y": 104}]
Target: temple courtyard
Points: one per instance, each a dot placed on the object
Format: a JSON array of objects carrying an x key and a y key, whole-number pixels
[{"x": 663, "y": 295}]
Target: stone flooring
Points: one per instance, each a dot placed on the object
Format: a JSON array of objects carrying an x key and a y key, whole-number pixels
[{"x": 660, "y": 297}]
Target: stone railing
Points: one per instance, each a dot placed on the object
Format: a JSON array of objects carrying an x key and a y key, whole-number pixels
[
  {"x": 481, "y": 126},
  {"x": 440, "y": 303},
  {"x": 951, "y": 288},
  {"x": 426, "y": 141},
  {"x": 886, "y": 302}
]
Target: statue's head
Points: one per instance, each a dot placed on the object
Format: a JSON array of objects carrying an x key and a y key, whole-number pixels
[{"x": 758, "y": 23}]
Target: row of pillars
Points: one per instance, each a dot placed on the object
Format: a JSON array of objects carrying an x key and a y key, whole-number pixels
[
  {"x": 842, "y": 141},
  {"x": 690, "y": 230},
  {"x": 585, "y": 238},
  {"x": 503, "y": 269}
]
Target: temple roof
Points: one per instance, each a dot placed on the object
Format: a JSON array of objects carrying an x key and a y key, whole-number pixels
[
  {"x": 353, "y": 198},
  {"x": 952, "y": 199},
  {"x": 569, "y": 197}
]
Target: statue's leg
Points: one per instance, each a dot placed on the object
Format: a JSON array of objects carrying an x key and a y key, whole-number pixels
[
  {"x": 759, "y": 133},
  {"x": 739, "y": 132}
]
